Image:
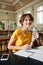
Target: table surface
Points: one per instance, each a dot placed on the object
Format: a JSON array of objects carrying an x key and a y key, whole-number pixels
[
  {"x": 4, "y": 39},
  {"x": 18, "y": 60}
]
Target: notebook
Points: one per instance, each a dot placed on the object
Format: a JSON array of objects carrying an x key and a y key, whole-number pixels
[{"x": 24, "y": 53}]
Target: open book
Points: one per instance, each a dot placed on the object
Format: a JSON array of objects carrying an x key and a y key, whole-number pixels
[
  {"x": 37, "y": 56},
  {"x": 24, "y": 53},
  {"x": 33, "y": 53}
]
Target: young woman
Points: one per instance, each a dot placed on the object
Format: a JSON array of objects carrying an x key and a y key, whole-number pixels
[{"x": 22, "y": 39}]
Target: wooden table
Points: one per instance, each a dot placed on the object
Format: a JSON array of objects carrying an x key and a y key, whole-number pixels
[{"x": 5, "y": 42}]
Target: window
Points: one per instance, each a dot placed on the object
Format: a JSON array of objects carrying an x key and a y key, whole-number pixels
[
  {"x": 7, "y": 24},
  {"x": 39, "y": 16}
]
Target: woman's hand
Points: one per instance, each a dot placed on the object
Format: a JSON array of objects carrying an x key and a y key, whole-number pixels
[{"x": 25, "y": 47}]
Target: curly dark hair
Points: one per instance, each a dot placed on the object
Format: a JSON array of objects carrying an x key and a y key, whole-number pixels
[{"x": 23, "y": 17}]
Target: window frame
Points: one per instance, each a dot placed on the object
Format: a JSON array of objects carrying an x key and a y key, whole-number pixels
[{"x": 35, "y": 13}]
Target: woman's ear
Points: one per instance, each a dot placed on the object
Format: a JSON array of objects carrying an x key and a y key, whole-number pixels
[{"x": 22, "y": 23}]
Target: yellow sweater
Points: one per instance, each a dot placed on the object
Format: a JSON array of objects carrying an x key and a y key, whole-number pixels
[{"x": 21, "y": 37}]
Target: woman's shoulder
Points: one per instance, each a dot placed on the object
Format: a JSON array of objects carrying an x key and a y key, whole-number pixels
[{"x": 17, "y": 31}]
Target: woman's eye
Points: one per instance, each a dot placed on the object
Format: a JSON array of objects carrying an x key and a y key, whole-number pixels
[
  {"x": 26, "y": 20},
  {"x": 29, "y": 19}
]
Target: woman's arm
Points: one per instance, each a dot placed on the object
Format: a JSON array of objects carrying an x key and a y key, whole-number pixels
[
  {"x": 11, "y": 45},
  {"x": 25, "y": 47}
]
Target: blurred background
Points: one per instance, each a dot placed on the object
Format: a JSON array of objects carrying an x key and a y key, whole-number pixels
[{"x": 10, "y": 13}]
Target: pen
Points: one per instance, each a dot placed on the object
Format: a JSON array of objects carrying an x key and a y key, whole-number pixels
[{"x": 29, "y": 51}]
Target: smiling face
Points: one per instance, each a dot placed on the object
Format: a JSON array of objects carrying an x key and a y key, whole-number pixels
[{"x": 27, "y": 22}]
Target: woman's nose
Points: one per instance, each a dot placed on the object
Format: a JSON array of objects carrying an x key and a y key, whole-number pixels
[{"x": 28, "y": 21}]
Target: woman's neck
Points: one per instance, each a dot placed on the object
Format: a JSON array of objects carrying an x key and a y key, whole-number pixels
[{"x": 25, "y": 30}]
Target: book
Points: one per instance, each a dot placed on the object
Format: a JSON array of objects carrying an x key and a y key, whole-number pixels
[{"x": 23, "y": 53}]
